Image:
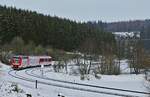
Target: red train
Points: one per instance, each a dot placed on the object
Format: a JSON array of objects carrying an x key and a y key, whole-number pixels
[{"x": 18, "y": 62}]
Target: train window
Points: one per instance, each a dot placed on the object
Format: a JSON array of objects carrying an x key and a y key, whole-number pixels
[
  {"x": 41, "y": 60},
  {"x": 49, "y": 59},
  {"x": 45, "y": 60},
  {"x": 16, "y": 57},
  {"x": 25, "y": 57}
]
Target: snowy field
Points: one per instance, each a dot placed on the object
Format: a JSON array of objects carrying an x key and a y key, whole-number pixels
[{"x": 8, "y": 84}]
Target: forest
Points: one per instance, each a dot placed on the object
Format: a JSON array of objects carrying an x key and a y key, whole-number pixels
[{"x": 35, "y": 29}]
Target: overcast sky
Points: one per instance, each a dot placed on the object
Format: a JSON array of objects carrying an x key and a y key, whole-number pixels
[{"x": 87, "y": 10}]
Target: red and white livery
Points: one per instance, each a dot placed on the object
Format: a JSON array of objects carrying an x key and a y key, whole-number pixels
[{"x": 20, "y": 61}]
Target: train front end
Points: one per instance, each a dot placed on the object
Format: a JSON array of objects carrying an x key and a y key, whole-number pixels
[{"x": 16, "y": 62}]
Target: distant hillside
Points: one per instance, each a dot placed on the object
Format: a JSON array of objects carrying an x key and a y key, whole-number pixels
[
  {"x": 126, "y": 26},
  {"x": 142, "y": 26}
]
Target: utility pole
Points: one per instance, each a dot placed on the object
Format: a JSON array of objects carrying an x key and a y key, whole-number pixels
[{"x": 36, "y": 84}]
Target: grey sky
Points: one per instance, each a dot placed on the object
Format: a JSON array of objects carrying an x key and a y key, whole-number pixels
[{"x": 87, "y": 10}]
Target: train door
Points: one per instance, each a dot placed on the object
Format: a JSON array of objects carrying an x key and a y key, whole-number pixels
[
  {"x": 25, "y": 61},
  {"x": 34, "y": 61}
]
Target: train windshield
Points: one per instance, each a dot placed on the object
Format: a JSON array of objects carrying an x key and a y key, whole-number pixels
[{"x": 16, "y": 59}]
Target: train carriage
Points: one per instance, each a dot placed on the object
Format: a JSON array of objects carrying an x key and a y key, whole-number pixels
[{"x": 18, "y": 62}]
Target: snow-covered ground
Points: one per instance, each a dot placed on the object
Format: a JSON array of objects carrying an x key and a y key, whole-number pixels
[
  {"x": 130, "y": 82},
  {"x": 124, "y": 81},
  {"x": 127, "y": 34}
]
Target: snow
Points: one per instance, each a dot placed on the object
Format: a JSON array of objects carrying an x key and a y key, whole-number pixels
[
  {"x": 124, "y": 81},
  {"x": 130, "y": 82},
  {"x": 127, "y": 34},
  {"x": 4, "y": 67}
]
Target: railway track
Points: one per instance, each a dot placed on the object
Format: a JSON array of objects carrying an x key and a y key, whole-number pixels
[
  {"x": 51, "y": 79},
  {"x": 53, "y": 83}
]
